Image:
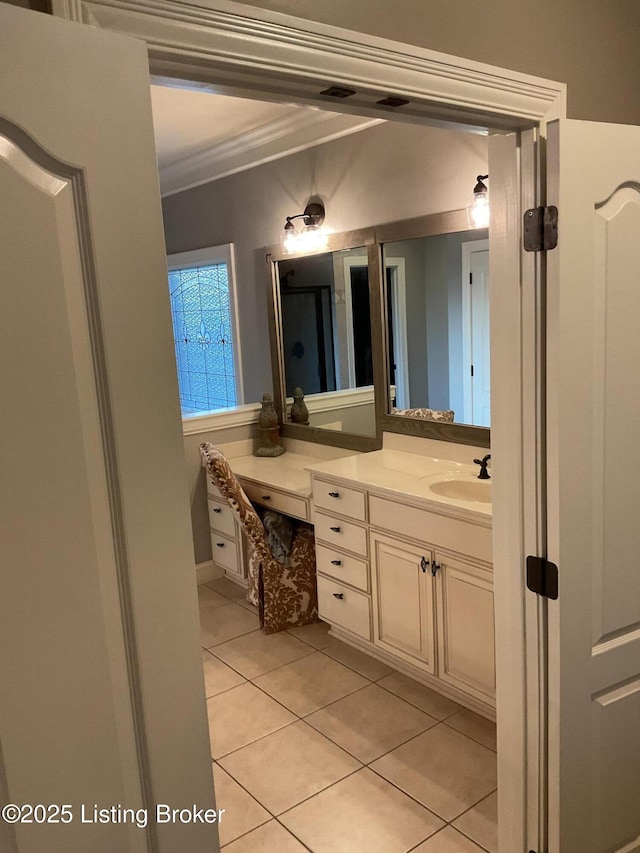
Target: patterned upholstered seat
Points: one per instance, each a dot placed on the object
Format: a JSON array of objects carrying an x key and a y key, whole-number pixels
[
  {"x": 284, "y": 591},
  {"x": 445, "y": 415}
]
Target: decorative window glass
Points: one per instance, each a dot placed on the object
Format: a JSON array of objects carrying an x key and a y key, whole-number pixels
[{"x": 205, "y": 329}]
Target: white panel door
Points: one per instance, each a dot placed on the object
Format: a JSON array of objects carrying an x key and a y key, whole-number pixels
[
  {"x": 593, "y": 426},
  {"x": 102, "y": 702},
  {"x": 476, "y": 337}
]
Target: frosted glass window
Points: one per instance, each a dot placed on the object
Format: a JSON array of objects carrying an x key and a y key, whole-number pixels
[{"x": 203, "y": 332}]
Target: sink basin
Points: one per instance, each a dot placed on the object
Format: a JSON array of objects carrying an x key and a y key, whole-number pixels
[{"x": 472, "y": 489}]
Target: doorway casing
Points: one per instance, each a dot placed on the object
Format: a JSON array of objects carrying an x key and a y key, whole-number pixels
[{"x": 240, "y": 50}]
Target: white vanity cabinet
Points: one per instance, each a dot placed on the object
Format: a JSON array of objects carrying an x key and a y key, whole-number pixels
[
  {"x": 465, "y": 621},
  {"x": 403, "y": 602},
  {"x": 227, "y": 541},
  {"x": 410, "y": 582}
]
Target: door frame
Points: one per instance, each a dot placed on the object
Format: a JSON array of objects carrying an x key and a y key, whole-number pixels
[{"x": 242, "y": 50}]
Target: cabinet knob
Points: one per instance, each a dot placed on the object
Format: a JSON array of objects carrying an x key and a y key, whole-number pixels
[
  {"x": 220, "y": 544},
  {"x": 335, "y": 529},
  {"x": 338, "y": 594},
  {"x": 334, "y": 494},
  {"x": 266, "y": 497},
  {"x": 424, "y": 563},
  {"x": 336, "y": 562},
  {"x": 217, "y": 509},
  {"x": 434, "y": 569}
]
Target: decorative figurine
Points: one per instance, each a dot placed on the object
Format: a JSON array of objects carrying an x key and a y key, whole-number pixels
[
  {"x": 268, "y": 430},
  {"x": 299, "y": 411}
]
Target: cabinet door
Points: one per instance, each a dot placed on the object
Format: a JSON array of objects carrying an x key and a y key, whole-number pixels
[
  {"x": 403, "y": 600},
  {"x": 466, "y": 648}
]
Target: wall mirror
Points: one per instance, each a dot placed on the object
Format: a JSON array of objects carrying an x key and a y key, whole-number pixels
[
  {"x": 325, "y": 339},
  {"x": 436, "y": 301}
]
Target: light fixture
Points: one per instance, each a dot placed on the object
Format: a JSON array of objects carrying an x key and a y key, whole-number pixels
[
  {"x": 478, "y": 211},
  {"x": 311, "y": 237}
]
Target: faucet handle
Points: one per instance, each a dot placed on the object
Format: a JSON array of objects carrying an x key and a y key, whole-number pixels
[{"x": 484, "y": 474}]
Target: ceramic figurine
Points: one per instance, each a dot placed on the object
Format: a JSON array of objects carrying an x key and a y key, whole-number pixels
[
  {"x": 268, "y": 430},
  {"x": 299, "y": 411}
]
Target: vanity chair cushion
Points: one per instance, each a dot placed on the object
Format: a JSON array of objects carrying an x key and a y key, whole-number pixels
[
  {"x": 285, "y": 590},
  {"x": 445, "y": 415}
]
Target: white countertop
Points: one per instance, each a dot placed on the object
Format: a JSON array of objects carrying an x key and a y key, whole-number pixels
[
  {"x": 407, "y": 474},
  {"x": 289, "y": 471}
]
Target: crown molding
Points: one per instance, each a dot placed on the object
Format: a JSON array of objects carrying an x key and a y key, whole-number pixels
[
  {"x": 279, "y": 138},
  {"x": 242, "y": 49}
]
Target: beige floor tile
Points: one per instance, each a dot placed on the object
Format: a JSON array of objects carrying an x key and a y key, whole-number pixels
[
  {"x": 474, "y": 726},
  {"x": 370, "y": 722},
  {"x": 311, "y": 683},
  {"x": 288, "y": 766},
  {"x": 446, "y": 771},
  {"x": 257, "y": 653},
  {"x": 208, "y": 597},
  {"x": 227, "y": 588},
  {"x": 481, "y": 823},
  {"x": 224, "y": 623},
  {"x": 218, "y": 677},
  {"x": 269, "y": 838},
  {"x": 316, "y": 634},
  {"x": 241, "y": 715},
  {"x": 448, "y": 840},
  {"x": 422, "y": 697},
  {"x": 241, "y": 812},
  {"x": 353, "y": 658},
  {"x": 246, "y": 604},
  {"x": 361, "y": 813}
]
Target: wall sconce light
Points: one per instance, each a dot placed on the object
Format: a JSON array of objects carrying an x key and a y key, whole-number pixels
[
  {"x": 478, "y": 211},
  {"x": 311, "y": 237}
]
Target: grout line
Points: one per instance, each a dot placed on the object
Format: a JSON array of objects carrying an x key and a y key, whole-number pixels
[{"x": 475, "y": 740}]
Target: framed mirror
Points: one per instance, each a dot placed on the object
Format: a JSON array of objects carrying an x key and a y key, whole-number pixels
[
  {"x": 435, "y": 282},
  {"x": 326, "y": 339}
]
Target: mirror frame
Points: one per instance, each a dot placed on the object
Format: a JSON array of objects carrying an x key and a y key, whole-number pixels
[
  {"x": 435, "y": 224},
  {"x": 360, "y": 239},
  {"x": 373, "y": 239}
]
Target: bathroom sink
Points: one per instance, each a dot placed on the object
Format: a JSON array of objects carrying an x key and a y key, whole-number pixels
[{"x": 463, "y": 489}]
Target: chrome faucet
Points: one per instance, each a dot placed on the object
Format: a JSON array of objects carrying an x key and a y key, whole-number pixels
[{"x": 484, "y": 474}]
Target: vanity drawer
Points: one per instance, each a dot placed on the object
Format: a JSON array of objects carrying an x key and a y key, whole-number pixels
[
  {"x": 225, "y": 552},
  {"x": 273, "y": 499},
  {"x": 341, "y": 533},
  {"x": 402, "y": 519},
  {"x": 344, "y": 607},
  {"x": 221, "y": 517},
  {"x": 340, "y": 499},
  {"x": 342, "y": 567},
  {"x": 212, "y": 490}
]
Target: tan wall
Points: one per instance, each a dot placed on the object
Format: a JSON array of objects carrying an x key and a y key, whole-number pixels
[{"x": 592, "y": 45}]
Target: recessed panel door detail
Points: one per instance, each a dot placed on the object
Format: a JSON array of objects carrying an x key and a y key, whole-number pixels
[
  {"x": 466, "y": 628},
  {"x": 403, "y": 600}
]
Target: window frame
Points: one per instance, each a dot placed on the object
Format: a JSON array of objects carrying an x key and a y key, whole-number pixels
[{"x": 209, "y": 255}]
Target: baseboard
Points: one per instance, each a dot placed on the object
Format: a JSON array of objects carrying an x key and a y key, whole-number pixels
[{"x": 208, "y": 571}]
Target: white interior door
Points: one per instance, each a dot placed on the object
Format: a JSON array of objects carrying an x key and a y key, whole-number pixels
[
  {"x": 476, "y": 339},
  {"x": 593, "y": 424},
  {"x": 102, "y": 701}
]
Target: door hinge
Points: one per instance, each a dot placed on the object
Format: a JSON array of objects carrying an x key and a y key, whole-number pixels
[
  {"x": 540, "y": 232},
  {"x": 542, "y": 577}
]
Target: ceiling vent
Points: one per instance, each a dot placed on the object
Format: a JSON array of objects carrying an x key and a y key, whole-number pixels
[
  {"x": 393, "y": 102},
  {"x": 338, "y": 92}
]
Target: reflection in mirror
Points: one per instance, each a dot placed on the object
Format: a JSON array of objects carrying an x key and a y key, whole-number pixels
[
  {"x": 437, "y": 300},
  {"x": 326, "y": 337}
]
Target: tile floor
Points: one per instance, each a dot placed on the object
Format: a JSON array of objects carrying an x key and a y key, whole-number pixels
[{"x": 319, "y": 747}]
